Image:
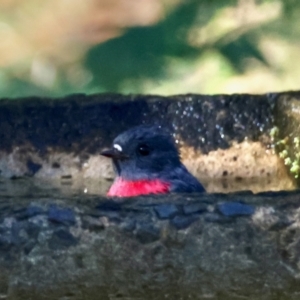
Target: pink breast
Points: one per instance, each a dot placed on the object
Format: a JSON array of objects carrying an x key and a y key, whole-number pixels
[{"x": 124, "y": 188}]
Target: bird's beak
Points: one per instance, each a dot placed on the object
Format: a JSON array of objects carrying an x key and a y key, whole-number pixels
[{"x": 113, "y": 153}]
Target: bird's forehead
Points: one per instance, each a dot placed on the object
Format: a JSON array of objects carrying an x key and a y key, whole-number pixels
[
  {"x": 125, "y": 144},
  {"x": 152, "y": 136},
  {"x": 118, "y": 147},
  {"x": 126, "y": 140}
]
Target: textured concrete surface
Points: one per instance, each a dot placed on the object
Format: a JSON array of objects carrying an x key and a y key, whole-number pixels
[
  {"x": 225, "y": 139},
  {"x": 57, "y": 241},
  {"x": 234, "y": 246}
]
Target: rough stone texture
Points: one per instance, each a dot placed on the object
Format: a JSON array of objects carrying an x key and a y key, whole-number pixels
[
  {"x": 246, "y": 165},
  {"x": 287, "y": 135},
  {"x": 80, "y": 122},
  {"x": 62, "y": 138},
  {"x": 57, "y": 244},
  {"x": 235, "y": 246}
]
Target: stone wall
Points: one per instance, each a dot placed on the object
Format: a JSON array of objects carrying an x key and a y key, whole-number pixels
[
  {"x": 234, "y": 246},
  {"x": 206, "y": 246},
  {"x": 228, "y": 141}
]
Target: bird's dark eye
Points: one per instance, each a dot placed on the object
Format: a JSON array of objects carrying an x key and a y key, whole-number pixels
[{"x": 143, "y": 150}]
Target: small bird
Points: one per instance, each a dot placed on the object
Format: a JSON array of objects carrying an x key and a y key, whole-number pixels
[{"x": 146, "y": 161}]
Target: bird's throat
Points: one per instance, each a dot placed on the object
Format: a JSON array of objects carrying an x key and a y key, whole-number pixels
[{"x": 130, "y": 188}]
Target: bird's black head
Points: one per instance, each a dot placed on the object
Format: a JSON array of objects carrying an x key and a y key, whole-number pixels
[{"x": 143, "y": 152}]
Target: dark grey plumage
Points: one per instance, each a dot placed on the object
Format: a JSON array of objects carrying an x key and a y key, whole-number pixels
[{"x": 149, "y": 152}]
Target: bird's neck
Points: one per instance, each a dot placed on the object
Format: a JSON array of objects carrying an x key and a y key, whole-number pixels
[{"x": 129, "y": 188}]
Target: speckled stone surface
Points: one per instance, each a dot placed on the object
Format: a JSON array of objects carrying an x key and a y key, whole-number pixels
[
  {"x": 80, "y": 122},
  {"x": 209, "y": 246},
  {"x": 61, "y": 243},
  {"x": 221, "y": 137}
]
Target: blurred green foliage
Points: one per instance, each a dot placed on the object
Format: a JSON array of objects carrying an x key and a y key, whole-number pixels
[
  {"x": 150, "y": 54},
  {"x": 141, "y": 52}
]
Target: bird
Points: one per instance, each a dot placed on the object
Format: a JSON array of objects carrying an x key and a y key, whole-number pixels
[{"x": 147, "y": 161}]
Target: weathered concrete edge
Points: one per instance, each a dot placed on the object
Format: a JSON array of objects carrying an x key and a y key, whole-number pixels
[
  {"x": 224, "y": 246},
  {"x": 49, "y": 138}
]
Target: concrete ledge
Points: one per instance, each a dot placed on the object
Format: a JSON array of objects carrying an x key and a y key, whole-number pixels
[
  {"x": 195, "y": 247},
  {"x": 57, "y": 244},
  {"x": 227, "y": 141}
]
